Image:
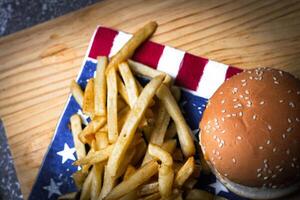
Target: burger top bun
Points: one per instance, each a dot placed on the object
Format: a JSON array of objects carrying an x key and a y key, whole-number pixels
[{"x": 250, "y": 130}]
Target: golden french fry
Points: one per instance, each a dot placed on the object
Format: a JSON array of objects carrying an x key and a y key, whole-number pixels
[
  {"x": 168, "y": 80},
  {"x": 141, "y": 176},
  {"x": 122, "y": 90},
  {"x": 112, "y": 108},
  {"x": 76, "y": 129},
  {"x": 177, "y": 155},
  {"x": 129, "y": 171},
  {"x": 147, "y": 130},
  {"x": 183, "y": 131},
  {"x": 129, "y": 196},
  {"x": 91, "y": 128},
  {"x": 93, "y": 145},
  {"x": 154, "y": 196},
  {"x": 159, "y": 130},
  {"x": 129, "y": 156},
  {"x": 121, "y": 103},
  {"x": 177, "y": 166},
  {"x": 86, "y": 188},
  {"x": 144, "y": 70},
  {"x": 140, "y": 88},
  {"x": 77, "y": 92},
  {"x": 197, "y": 194},
  {"x": 101, "y": 140},
  {"x": 158, "y": 153},
  {"x": 147, "y": 189},
  {"x": 88, "y": 98},
  {"x": 109, "y": 182},
  {"x": 96, "y": 181},
  {"x": 131, "y": 124},
  {"x": 130, "y": 83},
  {"x": 100, "y": 87},
  {"x": 169, "y": 146},
  {"x": 123, "y": 115},
  {"x": 128, "y": 49},
  {"x": 185, "y": 172},
  {"x": 165, "y": 180},
  {"x": 171, "y": 131},
  {"x": 79, "y": 177},
  {"x": 96, "y": 156},
  {"x": 176, "y": 92}
]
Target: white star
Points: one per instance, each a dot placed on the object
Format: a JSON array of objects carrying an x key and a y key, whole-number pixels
[
  {"x": 83, "y": 117},
  {"x": 219, "y": 187},
  {"x": 67, "y": 153},
  {"x": 53, "y": 188}
]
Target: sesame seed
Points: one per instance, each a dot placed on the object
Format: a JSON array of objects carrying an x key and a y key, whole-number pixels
[
  {"x": 223, "y": 131},
  {"x": 229, "y": 115},
  {"x": 294, "y": 159},
  {"x": 243, "y": 81},
  {"x": 269, "y": 127},
  {"x": 247, "y": 92},
  {"x": 218, "y": 140},
  {"x": 250, "y": 77},
  {"x": 281, "y": 73},
  {"x": 265, "y": 160},
  {"x": 281, "y": 169},
  {"x": 274, "y": 176},
  {"x": 297, "y": 119},
  {"x": 266, "y": 178},
  {"x": 221, "y": 92},
  {"x": 223, "y": 119},
  {"x": 258, "y": 175},
  {"x": 289, "y": 129},
  {"x": 288, "y": 152},
  {"x": 274, "y": 149},
  {"x": 274, "y": 78},
  {"x": 280, "y": 101},
  {"x": 270, "y": 171},
  {"x": 240, "y": 114},
  {"x": 254, "y": 117},
  {"x": 262, "y": 102},
  {"x": 223, "y": 111},
  {"x": 292, "y": 104},
  {"x": 233, "y": 115},
  {"x": 239, "y": 137},
  {"x": 289, "y": 120},
  {"x": 241, "y": 96},
  {"x": 274, "y": 186},
  {"x": 277, "y": 166},
  {"x": 268, "y": 142},
  {"x": 217, "y": 153},
  {"x": 289, "y": 91},
  {"x": 298, "y": 92},
  {"x": 233, "y": 160},
  {"x": 225, "y": 174},
  {"x": 266, "y": 165},
  {"x": 249, "y": 103},
  {"x": 214, "y": 151},
  {"x": 283, "y": 136},
  {"x": 244, "y": 84},
  {"x": 214, "y": 137},
  {"x": 221, "y": 145},
  {"x": 246, "y": 98},
  {"x": 261, "y": 147},
  {"x": 258, "y": 170},
  {"x": 234, "y": 100},
  {"x": 223, "y": 101},
  {"x": 293, "y": 165},
  {"x": 276, "y": 82}
]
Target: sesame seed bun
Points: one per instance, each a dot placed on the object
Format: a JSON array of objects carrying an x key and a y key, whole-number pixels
[{"x": 250, "y": 131}]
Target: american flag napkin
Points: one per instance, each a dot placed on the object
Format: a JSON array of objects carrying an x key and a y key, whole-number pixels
[{"x": 198, "y": 77}]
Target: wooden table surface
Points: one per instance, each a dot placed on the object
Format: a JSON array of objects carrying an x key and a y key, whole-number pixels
[{"x": 37, "y": 64}]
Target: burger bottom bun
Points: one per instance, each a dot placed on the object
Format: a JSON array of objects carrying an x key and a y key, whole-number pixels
[{"x": 255, "y": 192}]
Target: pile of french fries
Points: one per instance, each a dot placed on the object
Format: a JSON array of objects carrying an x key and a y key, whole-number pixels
[{"x": 140, "y": 146}]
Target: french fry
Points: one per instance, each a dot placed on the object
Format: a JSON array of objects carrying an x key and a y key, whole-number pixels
[
  {"x": 141, "y": 176},
  {"x": 77, "y": 92},
  {"x": 154, "y": 196},
  {"x": 122, "y": 90},
  {"x": 183, "y": 131},
  {"x": 147, "y": 189},
  {"x": 101, "y": 140},
  {"x": 141, "y": 150},
  {"x": 129, "y": 156},
  {"x": 171, "y": 131},
  {"x": 109, "y": 182},
  {"x": 79, "y": 177},
  {"x": 112, "y": 108},
  {"x": 86, "y": 188},
  {"x": 128, "y": 49},
  {"x": 88, "y": 98},
  {"x": 159, "y": 130},
  {"x": 144, "y": 70},
  {"x": 130, "y": 83},
  {"x": 91, "y": 128},
  {"x": 96, "y": 156},
  {"x": 177, "y": 166},
  {"x": 165, "y": 180},
  {"x": 129, "y": 196},
  {"x": 131, "y": 124},
  {"x": 100, "y": 87},
  {"x": 169, "y": 146},
  {"x": 96, "y": 181},
  {"x": 168, "y": 80},
  {"x": 129, "y": 171},
  {"x": 76, "y": 129},
  {"x": 190, "y": 183},
  {"x": 176, "y": 92},
  {"x": 185, "y": 172},
  {"x": 165, "y": 172}
]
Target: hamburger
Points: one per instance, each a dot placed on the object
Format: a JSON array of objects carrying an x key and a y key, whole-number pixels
[{"x": 250, "y": 133}]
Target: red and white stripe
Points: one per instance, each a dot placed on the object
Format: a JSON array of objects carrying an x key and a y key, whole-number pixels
[{"x": 198, "y": 75}]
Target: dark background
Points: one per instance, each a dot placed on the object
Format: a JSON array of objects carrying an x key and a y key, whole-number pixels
[{"x": 16, "y": 15}]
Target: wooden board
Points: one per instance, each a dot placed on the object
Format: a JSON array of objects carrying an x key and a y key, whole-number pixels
[{"x": 37, "y": 64}]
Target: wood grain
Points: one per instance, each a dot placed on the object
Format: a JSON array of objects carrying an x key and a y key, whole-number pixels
[{"x": 37, "y": 64}]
